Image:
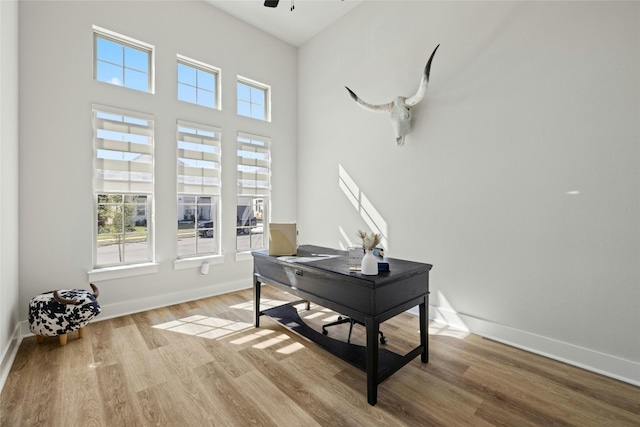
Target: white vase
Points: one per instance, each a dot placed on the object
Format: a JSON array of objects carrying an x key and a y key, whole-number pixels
[{"x": 369, "y": 266}]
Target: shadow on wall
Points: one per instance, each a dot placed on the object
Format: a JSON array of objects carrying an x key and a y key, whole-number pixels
[{"x": 363, "y": 206}]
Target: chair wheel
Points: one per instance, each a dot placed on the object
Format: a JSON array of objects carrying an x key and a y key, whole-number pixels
[
  {"x": 383, "y": 340},
  {"x": 325, "y": 332}
]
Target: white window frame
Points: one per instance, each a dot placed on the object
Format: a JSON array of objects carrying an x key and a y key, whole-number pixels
[
  {"x": 217, "y": 73},
  {"x": 127, "y": 42},
  {"x": 204, "y": 182},
  {"x": 123, "y": 177},
  {"x": 261, "y": 188},
  {"x": 256, "y": 85}
]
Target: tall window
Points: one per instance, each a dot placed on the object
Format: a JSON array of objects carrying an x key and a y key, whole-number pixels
[
  {"x": 253, "y": 99},
  {"x": 253, "y": 181},
  {"x": 199, "y": 156},
  {"x": 123, "y": 186},
  {"x": 122, "y": 61},
  {"x": 198, "y": 83}
]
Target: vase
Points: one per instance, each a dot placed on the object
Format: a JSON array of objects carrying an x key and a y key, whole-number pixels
[{"x": 369, "y": 266}]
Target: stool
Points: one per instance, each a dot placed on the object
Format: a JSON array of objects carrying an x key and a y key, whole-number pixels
[{"x": 56, "y": 313}]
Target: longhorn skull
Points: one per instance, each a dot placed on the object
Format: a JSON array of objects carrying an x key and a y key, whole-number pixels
[{"x": 400, "y": 107}]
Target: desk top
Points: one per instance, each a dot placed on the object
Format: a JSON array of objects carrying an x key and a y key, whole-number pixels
[{"x": 398, "y": 269}]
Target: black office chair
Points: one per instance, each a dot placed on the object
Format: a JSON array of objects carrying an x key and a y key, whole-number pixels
[{"x": 345, "y": 319}]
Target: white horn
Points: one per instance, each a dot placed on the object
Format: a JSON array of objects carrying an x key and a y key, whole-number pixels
[
  {"x": 367, "y": 106},
  {"x": 422, "y": 90}
]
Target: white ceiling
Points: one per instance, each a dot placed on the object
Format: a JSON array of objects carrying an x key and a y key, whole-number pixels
[{"x": 308, "y": 18}]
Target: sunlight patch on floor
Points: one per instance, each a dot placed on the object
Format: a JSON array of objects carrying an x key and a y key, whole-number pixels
[
  {"x": 251, "y": 337},
  {"x": 272, "y": 341},
  {"x": 313, "y": 315},
  {"x": 204, "y": 326},
  {"x": 291, "y": 348}
]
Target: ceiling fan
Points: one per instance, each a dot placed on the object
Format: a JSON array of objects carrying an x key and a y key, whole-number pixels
[{"x": 274, "y": 3}]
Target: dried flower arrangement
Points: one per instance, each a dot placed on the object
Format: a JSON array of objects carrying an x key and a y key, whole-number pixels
[{"x": 369, "y": 241}]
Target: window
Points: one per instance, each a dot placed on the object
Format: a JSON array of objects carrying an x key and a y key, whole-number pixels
[
  {"x": 122, "y": 61},
  {"x": 198, "y": 83},
  {"x": 199, "y": 156},
  {"x": 253, "y": 99},
  {"x": 253, "y": 180},
  {"x": 123, "y": 186}
]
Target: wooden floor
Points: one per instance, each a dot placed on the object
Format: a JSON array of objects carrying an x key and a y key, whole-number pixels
[{"x": 203, "y": 364}]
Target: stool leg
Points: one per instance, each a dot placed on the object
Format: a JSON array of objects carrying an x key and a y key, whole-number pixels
[
  {"x": 63, "y": 339},
  {"x": 40, "y": 339},
  {"x": 81, "y": 333}
]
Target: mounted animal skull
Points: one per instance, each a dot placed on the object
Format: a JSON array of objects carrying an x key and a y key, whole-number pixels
[{"x": 400, "y": 107}]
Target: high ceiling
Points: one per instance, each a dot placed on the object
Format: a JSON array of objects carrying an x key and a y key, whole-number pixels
[{"x": 296, "y": 26}]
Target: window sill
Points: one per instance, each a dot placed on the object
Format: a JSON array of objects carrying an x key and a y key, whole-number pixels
[
  {"x": 183, "y": 263},
  {"x": 122, "y": 271}
]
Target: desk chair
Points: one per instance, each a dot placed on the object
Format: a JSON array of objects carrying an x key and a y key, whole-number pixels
[{"x": 345, "y": 319}]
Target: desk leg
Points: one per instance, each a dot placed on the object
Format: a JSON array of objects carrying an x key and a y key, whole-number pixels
[
  {"x": 424, "y": 331},
  {"x": 373, "y": 326},
  {"x": 256, "y": 301}
]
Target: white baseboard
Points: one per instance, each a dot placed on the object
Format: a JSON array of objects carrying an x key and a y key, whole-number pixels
[
  {"x": 9, "y": 356},
  {"x": 124, "y": 308},
  {"x": 591, "y": 360},
  {"x": 129, "y": 307}
]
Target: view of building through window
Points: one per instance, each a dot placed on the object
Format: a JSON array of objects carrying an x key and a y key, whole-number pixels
[
  {"x": 122, "y": 229},
  {"x": 250, "y": 225},
  {"x": 197, "y": 225}
]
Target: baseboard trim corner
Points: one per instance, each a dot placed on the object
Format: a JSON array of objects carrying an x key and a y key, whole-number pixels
[{"x": 9, "y": 356}]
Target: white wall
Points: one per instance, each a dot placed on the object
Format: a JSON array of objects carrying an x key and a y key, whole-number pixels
[
  {"x": 520, "y": 179},
  {"x": 9, "y": 290},
  {"x": 56, "y": 94}
]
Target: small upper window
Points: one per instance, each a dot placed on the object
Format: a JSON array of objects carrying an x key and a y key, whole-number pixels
[
  {"x": 198, "y": 83},
  {"x": 253, "y": 99},
  {"x": 122, "y": 61}
]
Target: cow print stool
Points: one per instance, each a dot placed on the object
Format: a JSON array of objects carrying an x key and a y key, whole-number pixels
[{"x": 56, "y": 313}]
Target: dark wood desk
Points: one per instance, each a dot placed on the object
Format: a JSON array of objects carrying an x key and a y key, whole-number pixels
[{"x": 369, "y": 300}]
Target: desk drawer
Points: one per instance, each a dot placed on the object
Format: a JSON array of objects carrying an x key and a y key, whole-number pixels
[{"x": 342, "y": 294}]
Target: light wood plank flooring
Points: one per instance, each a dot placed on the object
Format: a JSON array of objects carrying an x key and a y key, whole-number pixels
[{"x": 203, "y": 364}]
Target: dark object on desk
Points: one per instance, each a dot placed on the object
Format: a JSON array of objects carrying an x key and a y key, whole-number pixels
[
  {"x": 369, "y": 300},
  {"x": 383, "y": 266}
]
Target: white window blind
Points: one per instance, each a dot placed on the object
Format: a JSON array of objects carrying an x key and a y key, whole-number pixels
[
  {"x": 254, "y": 165},
  {"x": 123, "y": 151},
  {"x": 199, "y": 151}
]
